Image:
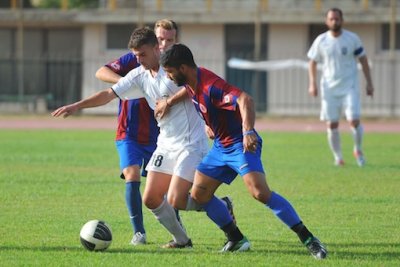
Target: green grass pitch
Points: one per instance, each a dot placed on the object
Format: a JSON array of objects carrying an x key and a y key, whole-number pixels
[{"x": 53, "y": 181}]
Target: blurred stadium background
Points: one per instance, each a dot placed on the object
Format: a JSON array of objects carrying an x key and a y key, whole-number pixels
[{"x": 51, "y": 49}]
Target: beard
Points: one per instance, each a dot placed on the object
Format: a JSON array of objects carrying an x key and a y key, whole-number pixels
[
  {"x": 336, "y": 28},
  {"x": 180, "y": 79}
]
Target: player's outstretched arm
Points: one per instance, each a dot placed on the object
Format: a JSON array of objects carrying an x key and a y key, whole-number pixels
[
  {"x": 163, "y": 105},
  {"x": 105, "y": 74},
  {"x": 247, "y": 111},
  {"x": 99, "y": 99},
  {"x": 312, "y": 76}
]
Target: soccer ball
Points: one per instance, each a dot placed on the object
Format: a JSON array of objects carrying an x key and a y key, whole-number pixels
[{"x": 96, "y": 235}]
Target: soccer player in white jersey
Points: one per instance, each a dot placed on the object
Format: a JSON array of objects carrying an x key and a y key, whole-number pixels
[
  {"x": 181, "y": 144},
  {"x": 338, "y": 51}
]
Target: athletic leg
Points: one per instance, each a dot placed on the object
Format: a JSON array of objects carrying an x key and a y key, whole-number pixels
[
  {"x": 133, "y": 201},
  {"x": 131, "y": 156},
  {"x": 203, "y": 191},
  {"x": 357, "y": 131},
  {"x": 353, "y": 113},
  {"x": 157, "y": 185},
  {"x": 258, "y": 188},
  {"x": 331, "y": 107},
  {"x": 334, "y": 142}
]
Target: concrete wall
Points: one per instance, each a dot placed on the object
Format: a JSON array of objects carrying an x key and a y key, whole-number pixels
[
  {"x": 96, "y": 55},
  {"x": 287, "y": 89},
  {"x": 203, "y": 31},
  {"x": 207, "y": 45},
  {"x": 205, "y": 41}
]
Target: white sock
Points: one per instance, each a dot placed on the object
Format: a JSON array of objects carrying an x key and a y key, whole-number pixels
[
  {"x": 165, "y": 214},
  {"x": 334, "y": 143},
  {"x": 357, "y": 136},
  {"x": 193, "y": 205}
]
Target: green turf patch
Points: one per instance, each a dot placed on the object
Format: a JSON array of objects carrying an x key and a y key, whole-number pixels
[{"x": 52, "y": 182}]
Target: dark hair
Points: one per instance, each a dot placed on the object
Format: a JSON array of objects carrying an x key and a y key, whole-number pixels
[
  {"x": 177, "y": 55},
  {"x": 142, "y": 36},
  {"x": 336, "y": 10}
]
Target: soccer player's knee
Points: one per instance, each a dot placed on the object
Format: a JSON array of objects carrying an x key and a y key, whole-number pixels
[
  {"x": 174, "y": 201},
  {"x": 200, "y": 197},
  {"x": 261, "y": 196},
  {"x": 151, "y": 202},
  {"x": 132, "y": 174}
]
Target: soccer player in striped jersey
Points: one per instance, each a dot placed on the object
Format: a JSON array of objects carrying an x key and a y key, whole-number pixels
[
  {"x": 137, "y": 130},
  {"x": 229, "y": 112},
  {"x": 338, "y": 51}
]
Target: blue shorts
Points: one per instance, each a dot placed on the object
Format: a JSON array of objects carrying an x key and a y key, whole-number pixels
[
  {"x": 133, "y": 153},
  {"x": 224, "y": 164}
]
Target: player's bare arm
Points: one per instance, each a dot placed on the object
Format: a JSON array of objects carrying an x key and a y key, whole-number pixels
[
  {"x": 365, "y": 68},
  {"x": 163, "y": 105},
  {"x": 99, "y": 99},
  {"x": 105, "y": 74},
  {"x": 246, "y": 106},
  {"x": 312, "y": 75}
]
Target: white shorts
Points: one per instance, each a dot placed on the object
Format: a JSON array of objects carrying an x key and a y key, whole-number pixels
[
  {"x": 182, "y": 162},
  {"x": 333, "y": 105}
]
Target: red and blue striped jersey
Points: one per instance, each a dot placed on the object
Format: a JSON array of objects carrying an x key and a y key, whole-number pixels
[
  {"x": 215, "y": 100},
  {"x": 135, "y": 117}
]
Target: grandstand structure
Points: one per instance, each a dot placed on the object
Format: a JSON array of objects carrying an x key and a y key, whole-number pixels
[{"x": 49, "y": 53}]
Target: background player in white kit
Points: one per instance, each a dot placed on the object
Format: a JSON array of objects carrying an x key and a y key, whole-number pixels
[
  {"x": 181, "y": 144},
  {"x": 338, "y": 50}
]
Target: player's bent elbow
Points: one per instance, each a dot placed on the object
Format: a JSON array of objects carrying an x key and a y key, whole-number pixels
[
  {"x": 245, "y": 98},
  {"x": 100, "y": 74}
]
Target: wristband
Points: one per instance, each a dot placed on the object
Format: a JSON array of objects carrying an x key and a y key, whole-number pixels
[{"x": 248, "y": 132}]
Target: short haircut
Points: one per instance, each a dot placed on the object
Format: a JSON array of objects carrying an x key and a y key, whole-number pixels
[
  {"x": 177, "y": 55},
  {"x": 336, "y": 10},
  {"x": 142, "y": 36},
  {"x": 166, "y": 24}
]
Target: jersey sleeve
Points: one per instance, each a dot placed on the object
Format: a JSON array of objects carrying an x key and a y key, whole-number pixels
[
  {"x": 128, "y": 87},
  {"x": 224, "y": 95},
  {"x": 313, "y": 53},
  {"x": 123, "y": 65},
  {"x": 358, "y": 47}
]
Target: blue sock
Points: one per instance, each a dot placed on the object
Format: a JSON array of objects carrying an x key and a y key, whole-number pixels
[
  {"x": 133, "y": 200},
  {"x": 217, "y": 212},
  {"x": 283, "y": 210}
]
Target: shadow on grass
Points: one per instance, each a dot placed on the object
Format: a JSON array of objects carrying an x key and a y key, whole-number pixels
[
  {"x": 145, "y": 250},
  {"x": 337, "y": 251}
]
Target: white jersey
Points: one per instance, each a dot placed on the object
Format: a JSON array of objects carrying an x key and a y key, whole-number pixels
[
  {"x": 338, "y": 56},
  {"x": 182, "y": 126}
]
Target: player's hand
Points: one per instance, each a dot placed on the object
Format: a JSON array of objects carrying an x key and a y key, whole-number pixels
[
  {"x": 209, "y": 132},
  {"x": 370, "y": 90},
  {"x": 250, "y": 142},
  {"x": 313, "y": 90},
  {"x": 161, "y": 109},
  {"x": 65, "y": 111}
]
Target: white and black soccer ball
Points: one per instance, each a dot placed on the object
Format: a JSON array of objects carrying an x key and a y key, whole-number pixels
[{"x": 96, "y": 235}]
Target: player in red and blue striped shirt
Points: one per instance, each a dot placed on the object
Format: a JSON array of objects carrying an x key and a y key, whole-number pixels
[
  {"x": 230, "y": 113},
  {"x": 135, "y": 117}
]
